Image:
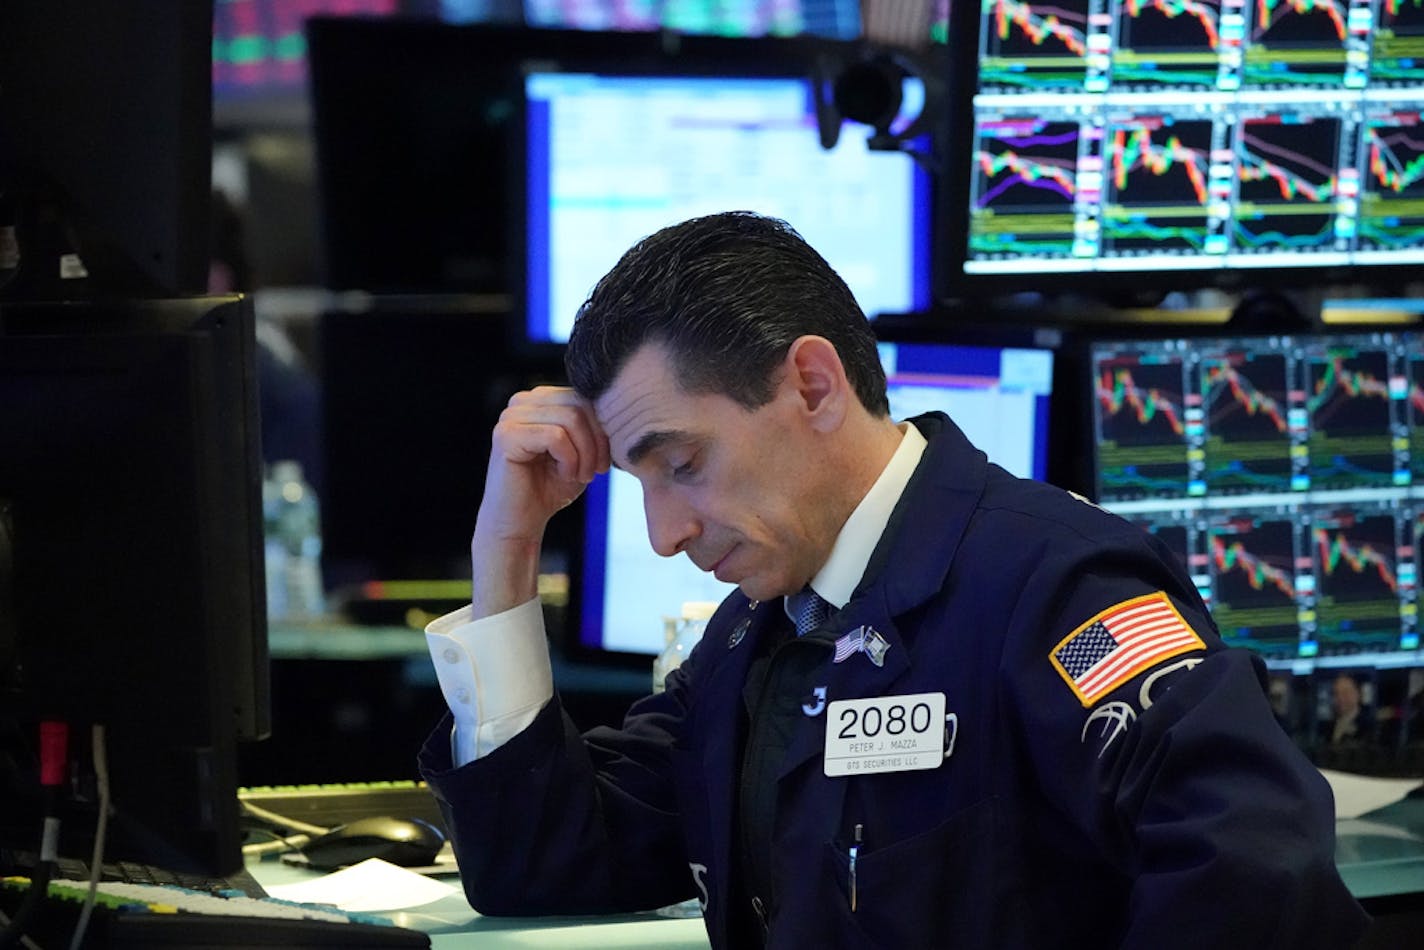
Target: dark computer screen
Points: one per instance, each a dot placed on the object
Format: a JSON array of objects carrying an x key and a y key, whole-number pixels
[
  {"x": 1146, "y": 143},
  {"x": 621, "y": 590},
  {"x": 612, "y": 155},
  {"x": 1287, "y": 473},
  {"x": 130, "y": 558},
  {"x": 123, "y": 181},
  {"x": 414, "y": 128},
  {"x": 409, "y": 398}
]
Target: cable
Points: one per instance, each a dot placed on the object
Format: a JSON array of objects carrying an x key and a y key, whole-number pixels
[
  {"x": 284, "y": 843},
  {"x": 101, "y": 832},
  {"x": 257, "y": 811},
  {"x": 25, "y": 942},
  {"x": 281, "y": 844},
  {"x": 54, "y": 766}
]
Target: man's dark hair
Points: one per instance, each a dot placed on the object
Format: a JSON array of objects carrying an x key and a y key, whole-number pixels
[{"x": 727, "y": 295}]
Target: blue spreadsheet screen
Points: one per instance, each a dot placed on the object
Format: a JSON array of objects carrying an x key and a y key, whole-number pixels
[{"x": 612, "y": 159}]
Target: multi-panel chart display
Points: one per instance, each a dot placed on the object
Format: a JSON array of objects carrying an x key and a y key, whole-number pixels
[
  {"x": 1286, "y": 472},
  {"x": 1130, "y": 135}
]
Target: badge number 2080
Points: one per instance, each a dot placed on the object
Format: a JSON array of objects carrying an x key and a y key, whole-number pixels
[{"x": 884, "y": 734}]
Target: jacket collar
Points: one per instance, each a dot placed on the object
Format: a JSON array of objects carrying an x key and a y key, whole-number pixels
[{"x": 914, "y": 555}]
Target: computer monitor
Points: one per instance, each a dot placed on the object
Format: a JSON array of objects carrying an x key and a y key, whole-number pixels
[
  {"x": 621, "y": 590},
  {"x": 834, "y": 18},
  {"x": 121, "y": 180},
  {"x": 1288, "y": 474},
  {"x": 131, "y": 582},
  {"x": 614, "y": 155},
  {"x": 1155, "y": 145},
  {"x": 260, "y": 49},
  {"x": 414, "y": 127},
  {"x": 401, "y": 386}
]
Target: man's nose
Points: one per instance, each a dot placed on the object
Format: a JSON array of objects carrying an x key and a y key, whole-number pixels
[{"x": 671, "y": 523}]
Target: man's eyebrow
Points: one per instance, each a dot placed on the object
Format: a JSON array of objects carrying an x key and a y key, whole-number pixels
[{"x": 650, "y": 441}]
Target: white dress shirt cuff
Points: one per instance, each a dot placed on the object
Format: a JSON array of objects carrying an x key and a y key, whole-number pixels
[{"x": 494, "y": 673}]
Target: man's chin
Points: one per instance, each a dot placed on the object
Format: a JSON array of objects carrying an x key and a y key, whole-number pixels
[{"x": 762, "y": 589}]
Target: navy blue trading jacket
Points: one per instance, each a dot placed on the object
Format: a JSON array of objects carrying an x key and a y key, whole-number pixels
[{"x": 1159, "y": 807}]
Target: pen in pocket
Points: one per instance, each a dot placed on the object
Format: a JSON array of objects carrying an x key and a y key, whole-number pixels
[{"x": 854, "y": 853}]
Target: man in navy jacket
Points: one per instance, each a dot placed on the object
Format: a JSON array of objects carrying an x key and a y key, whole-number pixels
[{"x": 1013, "y": 724}]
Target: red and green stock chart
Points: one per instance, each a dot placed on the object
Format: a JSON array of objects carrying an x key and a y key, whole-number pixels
[
  {"x": 1025, "y": 181},
  {"x": 1414, "y": 406},
  {"x": 1352, "y": 419},
  {"x": 1142, "y": 420},
  {"x": 1157, "y": 185},
  {"x": 1287, "y": 472},
  {"x": 1397, "y": 54},
  {"x": 1356, "y": 554},
  {"x": 1288, "y": 177},
  {"x": 1255, "y": 598},
  {"x": 1197, "y": 136},
  {"x": 1247, "y": 437},
  {"x": 1033, "y": 45},
  {"x": 1392, "y": 198},
  {"x": 1294, "y": 43},
  {"x": 1162, "y": 43}
]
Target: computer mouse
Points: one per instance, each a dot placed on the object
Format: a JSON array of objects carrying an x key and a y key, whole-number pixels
[{"x": 408, "y": 842}]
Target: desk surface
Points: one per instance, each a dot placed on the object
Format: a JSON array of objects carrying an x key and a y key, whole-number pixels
[
  {"x": 452, "y": 924},
  {"x": 1381, "y": 855}
]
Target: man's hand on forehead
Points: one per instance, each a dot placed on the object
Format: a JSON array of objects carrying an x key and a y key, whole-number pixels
[{"x": 557, "y": 422}]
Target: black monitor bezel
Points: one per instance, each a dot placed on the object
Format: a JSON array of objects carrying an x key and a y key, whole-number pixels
[{"x": 173, "y": 769}]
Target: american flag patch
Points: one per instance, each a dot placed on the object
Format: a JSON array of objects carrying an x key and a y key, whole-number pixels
[{"x": 1121, "y": 642}]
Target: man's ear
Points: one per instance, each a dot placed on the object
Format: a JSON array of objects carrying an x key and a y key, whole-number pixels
[{"x": 814, "y": 368}]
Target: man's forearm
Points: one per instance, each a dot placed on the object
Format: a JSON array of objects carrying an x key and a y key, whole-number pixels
[{"x": 505, "y": 574}]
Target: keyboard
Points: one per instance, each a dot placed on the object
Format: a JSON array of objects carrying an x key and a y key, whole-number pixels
[
  {"x": 22, "y": 864},
  {"x": 342, "y": 803},
  {"x": 132, "y": 916}
]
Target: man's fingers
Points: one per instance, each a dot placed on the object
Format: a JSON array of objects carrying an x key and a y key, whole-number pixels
[{"x": 563, "y": 424}]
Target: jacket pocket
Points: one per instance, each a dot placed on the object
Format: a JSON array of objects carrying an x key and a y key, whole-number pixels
[{"x": 937, "y": 889}]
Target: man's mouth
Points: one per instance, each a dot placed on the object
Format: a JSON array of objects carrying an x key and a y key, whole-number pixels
[{"x": 716, "y": 568}]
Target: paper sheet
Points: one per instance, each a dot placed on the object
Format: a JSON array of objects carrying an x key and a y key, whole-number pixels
[
  {"x": 369, "y": 887},
  {"x": 1356, "y": 795}
]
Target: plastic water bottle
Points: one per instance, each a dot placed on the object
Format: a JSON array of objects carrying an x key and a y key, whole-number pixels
[
  {"x": 292, "y": 521},
  {"x": 681, "y": 634}
]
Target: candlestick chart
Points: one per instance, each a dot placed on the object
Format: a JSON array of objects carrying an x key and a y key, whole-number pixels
[
  {"x": 1024, "y": 182},
  {"x": 1397, "y": 53},
  {"x": 1142, "y": 446},
  {"x": 1033, "y": 45},
  {"x": 1216, "y": 139},
  {"x": 1288, "y": 172},
  {"x": 1351, "y": 441},
  {"x": 1392, "y": 202},
  {"x": 1248, "y": 438},
  {"x": 1157, "y": 185},
  {"x": 1356, "y": 556},
  {"x": 1252, "y": 564},
  {"x": 1167, "y": 43},
  {"x": 1296, "y": 43}
]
